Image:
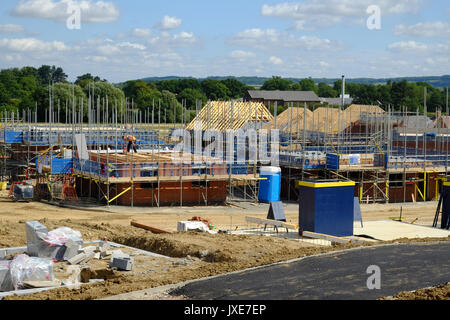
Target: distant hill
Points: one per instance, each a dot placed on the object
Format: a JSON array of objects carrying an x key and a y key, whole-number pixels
[{"x": 436, "y": 81}]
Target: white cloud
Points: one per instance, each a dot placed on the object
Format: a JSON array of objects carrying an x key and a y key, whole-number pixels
[
  {"x": 141, "y": 33},
  {"x": 313, "y": 14},
  {"x": 169, "y": 23},
  {"x": 91, "y": 11},
  {"x": 275, "y": 60},
  {"x": 186, "y": 37},
  {"x": 242, "y": 55},
  {"x": 424, "y": 29},
  {"x": 11, "y": 28},
  {"x": 137, "y": 46},
  {"x": 271, "y": 38},
  {"x": 166, "y": 40},
  {"x": 407, "y": 46},
  {"x": 324, "y": 64},
  {"x": 32, "y": 45}
]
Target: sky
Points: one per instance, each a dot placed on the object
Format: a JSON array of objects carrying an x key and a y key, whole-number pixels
[{"x": 121, "y": 40}]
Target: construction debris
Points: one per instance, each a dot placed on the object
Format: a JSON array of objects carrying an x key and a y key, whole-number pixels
[
  {"x": 44, "y": 244},
  {"x": 41, "y": 284},
  {"x": 78, "y": 258},
  {"x": 207, "y": 222},
  {"x": 198, "y": 226},
  {"x": 5, "y": 276},
  {"x": 72, "y": 249},
  {"x": 121, "y": 261},
  {"x": 24, "y": 268}
]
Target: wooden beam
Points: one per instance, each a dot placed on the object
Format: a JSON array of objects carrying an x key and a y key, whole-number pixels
[
  {"x": 275, "y": 223},
  {"x": 150, "y": 228},
  {"x": 328, "y": 237}
]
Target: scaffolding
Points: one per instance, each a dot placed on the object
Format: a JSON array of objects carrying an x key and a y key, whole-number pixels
[{"x": 393, "y": 156}]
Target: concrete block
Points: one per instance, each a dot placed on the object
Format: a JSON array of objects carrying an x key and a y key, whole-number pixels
[
  {"x": 124, "y": 263},
  {"x": 103, "y": 246},
  {"x": 180, "y": 262},
  {"x": 89, "y": 256},
  {"x": 78, "y": 258},
  {"x": 88, "y": 249},
  {"x": 105, "y": 254},
  {"x": 192, "y": 226},
  {"x": 72, "y": 249},
  {"x": 35, "y": 233},
  {"x": 5, "y": 277},
  {"x": 36, "y": 245}
]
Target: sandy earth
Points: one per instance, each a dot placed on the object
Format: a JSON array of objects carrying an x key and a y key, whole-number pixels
[
  {"x": 192, "y": 255},
  {"x": 441, "y": 292}
]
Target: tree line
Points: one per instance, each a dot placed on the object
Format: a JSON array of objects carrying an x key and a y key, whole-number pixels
[
  {"x": 29, "y": 88},
  {"x": 398, "y": 94}
]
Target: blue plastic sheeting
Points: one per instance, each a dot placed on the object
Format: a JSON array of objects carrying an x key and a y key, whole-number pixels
[
  {"x": 58, "y": 165},
  {"x": 13, "y": 136},
  {"x": 332, "y": 161},
  {"x": 328, "y": 210},
  {"x": 334, "y": 164}
]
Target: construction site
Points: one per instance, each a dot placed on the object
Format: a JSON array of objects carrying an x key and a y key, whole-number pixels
[{"x": 346, "y": 176}]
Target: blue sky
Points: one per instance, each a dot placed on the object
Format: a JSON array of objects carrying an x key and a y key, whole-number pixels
[{"x": 121, "y": 40}]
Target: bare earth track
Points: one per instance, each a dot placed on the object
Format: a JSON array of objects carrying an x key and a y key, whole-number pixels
[{"x": 205, "y": 254}]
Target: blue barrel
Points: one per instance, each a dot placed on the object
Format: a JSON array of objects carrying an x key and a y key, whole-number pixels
[{"x": 270, "y": 186}]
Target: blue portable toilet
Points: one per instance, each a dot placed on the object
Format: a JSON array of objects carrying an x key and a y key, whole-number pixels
[
  {"x": 270, "y": 185},
  {"x": 326, "y": 207}
]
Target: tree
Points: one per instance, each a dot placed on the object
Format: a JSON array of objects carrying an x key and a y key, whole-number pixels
[
  {"x": 307, "y": 85},
  {"x": 47, "y": 74},
  {"x": 326, "y": 91},
  {"x": 192, "y": 98},
  {"x": 168, "y": 85},
  {"x": 170, "y": 106},
  {"x": 131, "y": 88},
  {"x": 86, "y": 78},
  {"x": 236, "y": 87},
  {"x": 58, "y": 75},
  {"x": 277, "y": 83},
  {"x": 4, "y": 95},
  {"x": 215, "y": 90},
  {"x": 62, "y": 93},
  {"x": 188, "y": 84}
]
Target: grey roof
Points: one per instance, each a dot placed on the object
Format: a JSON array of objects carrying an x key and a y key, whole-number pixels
[
  {"x": 336, "y": 101},
  {"x": 288, "y": 96}
]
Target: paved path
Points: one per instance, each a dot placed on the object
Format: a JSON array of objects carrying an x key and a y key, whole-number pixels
[{"x": 336, "y": 276}]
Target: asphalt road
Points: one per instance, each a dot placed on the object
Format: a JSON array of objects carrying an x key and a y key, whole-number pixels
[{"x": 338, "y": 276}]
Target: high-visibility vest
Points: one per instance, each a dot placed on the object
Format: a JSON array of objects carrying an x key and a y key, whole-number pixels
[{"x": 130, "y": 138}]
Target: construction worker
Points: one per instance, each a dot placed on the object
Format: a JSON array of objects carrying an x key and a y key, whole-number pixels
[{"x": 131, "y": 142}]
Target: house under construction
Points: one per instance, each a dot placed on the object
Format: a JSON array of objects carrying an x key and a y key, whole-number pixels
[{"x": 392, "y": 156}]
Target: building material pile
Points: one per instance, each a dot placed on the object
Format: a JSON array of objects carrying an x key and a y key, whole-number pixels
[{"x": 34, "y": 266}]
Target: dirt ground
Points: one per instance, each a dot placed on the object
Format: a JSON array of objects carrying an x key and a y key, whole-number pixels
[
  {"x": 192, "y": 255},
  {"x": 441, "y": 292}
]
